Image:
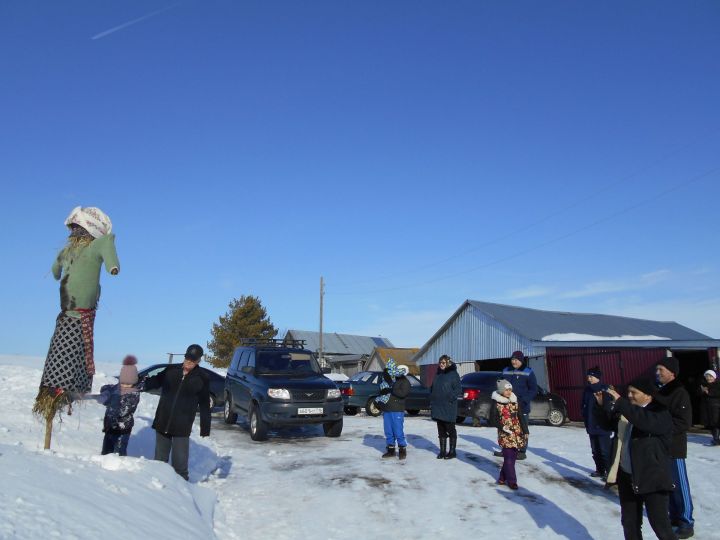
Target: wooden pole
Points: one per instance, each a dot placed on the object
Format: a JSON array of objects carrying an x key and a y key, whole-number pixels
[
  {"x": 320, "y": 352},
  {"x": 48, "y": 432}
]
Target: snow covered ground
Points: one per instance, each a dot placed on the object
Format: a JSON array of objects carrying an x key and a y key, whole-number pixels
[{"x": 299, "y": 484}]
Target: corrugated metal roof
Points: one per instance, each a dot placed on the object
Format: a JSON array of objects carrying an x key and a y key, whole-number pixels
[
  {"x": 339, "y": 343},
  {"x": 535, "y": 324},
  {"x": 484, "y": 331}
]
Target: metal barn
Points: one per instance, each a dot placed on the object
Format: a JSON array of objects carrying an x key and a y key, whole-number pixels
[{"x": 561, "y": 346}]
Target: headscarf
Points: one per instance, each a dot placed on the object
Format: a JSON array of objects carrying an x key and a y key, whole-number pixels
[{"x": 92, "y": 219}]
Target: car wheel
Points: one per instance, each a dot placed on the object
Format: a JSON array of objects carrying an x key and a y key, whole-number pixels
[
  {"x": 371, "y": 408},
  {"x": 229, "y": 415},
  {"x": 351, "y": 411},
  {"x": 459, "y": 419},
  {"x": 258, "y": 427},
  {"x": 413, "y": 412},
  {"x": 333, "y": 429},
  {"x": 212, "y": 402},
  {"x": 555, "y": 417}
]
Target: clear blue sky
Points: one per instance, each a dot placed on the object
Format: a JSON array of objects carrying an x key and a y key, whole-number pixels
[{"x": 558, "y": 155}]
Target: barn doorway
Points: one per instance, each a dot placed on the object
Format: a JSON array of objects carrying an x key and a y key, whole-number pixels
[{"x": 692, "y": 366}]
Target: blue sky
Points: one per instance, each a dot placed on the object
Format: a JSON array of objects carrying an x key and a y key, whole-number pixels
[{"x": 556, "y": 155}]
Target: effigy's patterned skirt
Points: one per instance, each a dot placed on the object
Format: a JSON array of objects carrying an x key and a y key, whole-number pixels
[{"x": 66, "y": 365}]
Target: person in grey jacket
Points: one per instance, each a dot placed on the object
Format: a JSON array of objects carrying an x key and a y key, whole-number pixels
[{"x": 443, "y": 404}]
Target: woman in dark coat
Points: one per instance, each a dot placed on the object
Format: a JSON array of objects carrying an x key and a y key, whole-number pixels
[
  {"x": 444, "y": 394},
  {"x": 710, "y": 392}
]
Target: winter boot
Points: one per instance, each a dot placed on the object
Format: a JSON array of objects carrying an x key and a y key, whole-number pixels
[
  {"x": 451, "y": 454},
  {"x": 402, "y": 454},
  {"x": 443, "y": 448},
  {"x": 716, "y": 436},
  {"x": 389, "y": 453}
]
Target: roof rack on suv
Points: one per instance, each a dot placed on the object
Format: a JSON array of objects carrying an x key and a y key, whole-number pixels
[{"x": 273, "y": 342}]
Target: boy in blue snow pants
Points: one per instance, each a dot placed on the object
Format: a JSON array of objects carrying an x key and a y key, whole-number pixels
[
  {"x": 394, "y": 388},
  {"x": 394, "y": 424}
]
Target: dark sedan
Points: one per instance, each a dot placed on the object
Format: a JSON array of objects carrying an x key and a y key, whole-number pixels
[
  {"x": 477, "y": 390},
  {"x": 217, "y": 383},
  {"x": 360, "y": 390}
]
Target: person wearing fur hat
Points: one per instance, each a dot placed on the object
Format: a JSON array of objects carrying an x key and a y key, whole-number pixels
[
  {"x": 394, "y": 388},
  {"x": 120, "y": 402},
  {"x": 710, "y": 392},
  {"x": 444, "y": 392},
  {"x": 600, "y": 442},
  {"x": 69, "y": 365},
  {"x": 512, "y": 430},
  {"x": 524, "y": 383},
  {"x": 675, "y": 397},
  {"x": 640, "y": 462}
]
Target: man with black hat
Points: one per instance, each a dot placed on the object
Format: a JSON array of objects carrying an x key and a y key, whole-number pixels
[
  {"x": 673, "y": 395},
  {"x": 600, "y": 442},
  {"x": 524, "y": 384},
  {"x": 184, "y": 388},
  {"x": 640, "y": 464}
]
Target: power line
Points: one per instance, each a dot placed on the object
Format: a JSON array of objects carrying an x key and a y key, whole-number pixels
[
  {"x": 554, "y": 240},
  {"x": 542, "y": 219}
]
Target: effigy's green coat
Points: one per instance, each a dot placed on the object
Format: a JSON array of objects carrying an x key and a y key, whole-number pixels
[{"x": 78, "y": 269}]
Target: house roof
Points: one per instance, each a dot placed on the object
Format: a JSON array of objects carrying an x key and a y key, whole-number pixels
[
  {"x": 401, "y": 356},
  {"x": 549, "y": 326},
  {"x": 334, "y": 343}
]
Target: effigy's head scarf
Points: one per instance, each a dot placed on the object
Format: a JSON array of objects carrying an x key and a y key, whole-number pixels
[{"x": 92, "y": 219}]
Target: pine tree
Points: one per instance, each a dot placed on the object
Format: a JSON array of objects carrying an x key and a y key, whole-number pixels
[{"x": 246, "y": 318}]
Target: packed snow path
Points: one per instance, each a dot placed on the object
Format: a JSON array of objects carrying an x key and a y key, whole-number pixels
[{"x": 300, "y": 484}]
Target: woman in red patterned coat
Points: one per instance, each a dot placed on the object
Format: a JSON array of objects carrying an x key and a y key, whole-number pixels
[{"x": 512, "y": 430}]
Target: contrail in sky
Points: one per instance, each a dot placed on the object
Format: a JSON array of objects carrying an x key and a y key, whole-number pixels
[{"x": 134, "y": 21}]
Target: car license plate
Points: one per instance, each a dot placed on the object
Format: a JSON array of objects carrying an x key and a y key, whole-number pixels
[{"x": 310, "y": 410}]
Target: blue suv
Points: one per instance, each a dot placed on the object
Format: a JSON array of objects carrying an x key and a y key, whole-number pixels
[{"x": 275, "y": 383}]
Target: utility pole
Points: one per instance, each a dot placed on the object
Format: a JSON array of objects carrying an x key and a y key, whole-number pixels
[{"x": 320, "y": 352}]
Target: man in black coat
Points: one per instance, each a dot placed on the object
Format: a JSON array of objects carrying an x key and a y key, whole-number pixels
[
  {"x": 184, "y": 388},
  {"x": 640, "y": 463},
  {"x": 600, "y": 442},
  {"x": 673, "y": 395}
]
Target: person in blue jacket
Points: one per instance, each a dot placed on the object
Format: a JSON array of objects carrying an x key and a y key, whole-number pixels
[
  {"x": 524, "y": 386},
  {"x": 600, "y": 441}
]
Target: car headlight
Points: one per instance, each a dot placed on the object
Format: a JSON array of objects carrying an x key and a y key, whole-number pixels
[
  {"x": 333, "y": 393},
  {"x": 279, "y": 393}
]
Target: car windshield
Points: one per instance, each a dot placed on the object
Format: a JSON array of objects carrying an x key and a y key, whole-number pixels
[
  {"x": 486, "y": 379},
  {"x": 286, "y": 362}
]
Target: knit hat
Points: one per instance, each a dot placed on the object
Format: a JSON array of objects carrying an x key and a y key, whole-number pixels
[
  {"x": 670, "y": 363},
  {"x": 595, "y": 372},
  {"x": 92, "y": 219},
  {"x": 646, "y": 386},
  {"x": 503, "y": 385},
  {"x": 519, "y": 355},
  {"x": 711, "y": 373},
  {"x": 194, "y": 352},
  {"x": 128, "y": 372},
  {"x": 403, "y": 369}
]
